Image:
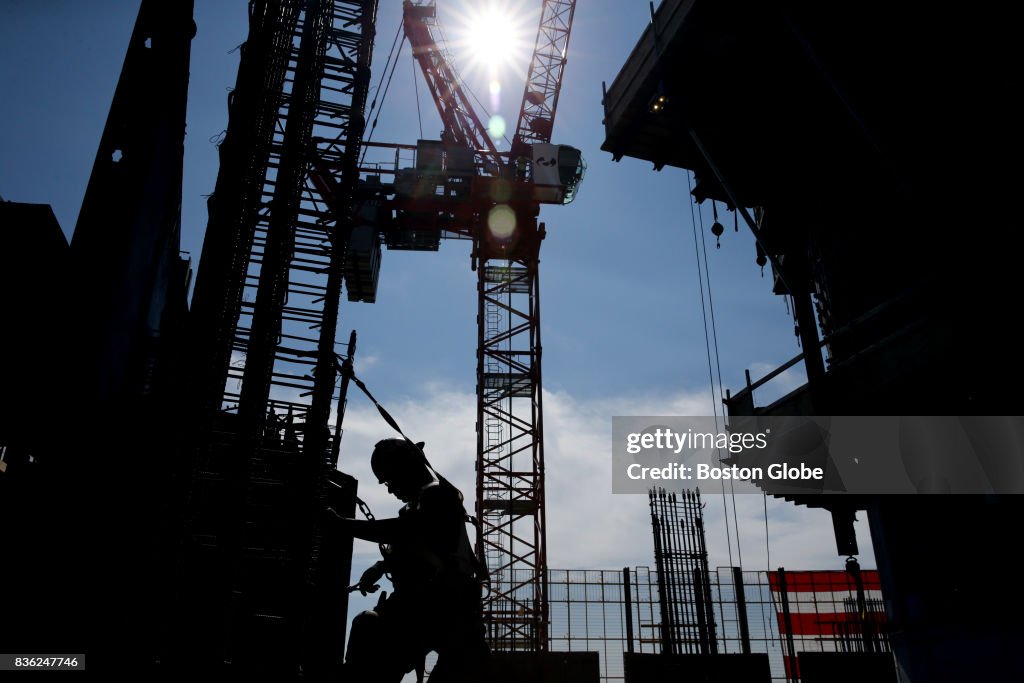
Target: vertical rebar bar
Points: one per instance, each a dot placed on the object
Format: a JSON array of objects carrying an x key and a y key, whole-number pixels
[
  {"x": 660, "y": 567},
  {"x": 672, "y": 577}
]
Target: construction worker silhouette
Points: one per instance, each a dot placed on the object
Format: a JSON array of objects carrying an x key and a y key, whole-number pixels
[{"x": 437, "y": 579}]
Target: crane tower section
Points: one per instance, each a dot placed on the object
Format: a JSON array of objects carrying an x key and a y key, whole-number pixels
[{"x": 410, "y": 197}]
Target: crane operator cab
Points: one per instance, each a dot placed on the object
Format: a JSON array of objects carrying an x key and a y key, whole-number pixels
[{"x": 557, "y": 171}]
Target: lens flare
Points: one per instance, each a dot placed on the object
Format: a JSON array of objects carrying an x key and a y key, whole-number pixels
[
  {"x": 501, "y": 221},
  {"x": 496, "y": 126},
  {"x": 494, "y": 87}
]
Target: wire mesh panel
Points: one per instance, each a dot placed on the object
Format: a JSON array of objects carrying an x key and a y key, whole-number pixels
[
  {"x": 827, "y": 611},
  {"x": 603, "y": 611},
  {"x": 616, "y": 611}
]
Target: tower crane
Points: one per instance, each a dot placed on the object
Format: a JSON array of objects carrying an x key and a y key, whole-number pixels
[{"x": 462, "y": 187}]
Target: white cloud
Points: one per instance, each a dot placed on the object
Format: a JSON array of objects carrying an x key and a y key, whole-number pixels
[
  {"x": 367, "y": 361},
  {"x": 587, "y": 526}
]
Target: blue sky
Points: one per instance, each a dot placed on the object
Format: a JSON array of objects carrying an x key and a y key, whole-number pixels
[{"x": 621, "y": 315}]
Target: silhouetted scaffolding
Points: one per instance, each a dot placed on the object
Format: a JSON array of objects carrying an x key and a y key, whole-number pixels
[{"x": 263, "y": 591}]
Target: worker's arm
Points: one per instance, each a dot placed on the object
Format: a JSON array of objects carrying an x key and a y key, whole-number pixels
[
  {"x": 375, "y": 531},
  {"x": 373, "y": 574}
]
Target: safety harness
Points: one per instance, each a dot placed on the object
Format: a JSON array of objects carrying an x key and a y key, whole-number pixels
[{"x": 480, "y": 570}]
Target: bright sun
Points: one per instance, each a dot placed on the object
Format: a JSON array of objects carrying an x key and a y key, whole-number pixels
[
  {"x": 491, "y": 39},
  {"x": 493, "y": 34}
]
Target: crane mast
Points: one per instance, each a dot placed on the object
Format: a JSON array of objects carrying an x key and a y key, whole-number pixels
[
  {"x": 462, "y": 186},
  {"x": 506, "y": 249}
]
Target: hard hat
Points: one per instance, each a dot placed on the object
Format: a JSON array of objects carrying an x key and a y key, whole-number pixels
[{"x": 394, "y": 457}]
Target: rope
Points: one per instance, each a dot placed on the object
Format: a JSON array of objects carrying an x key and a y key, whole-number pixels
[{"x": 346, "y": 370}]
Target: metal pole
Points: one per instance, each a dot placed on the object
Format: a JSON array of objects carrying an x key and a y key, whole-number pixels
[
  {"x": 787, "y": 622},
  {"x": 702, "y": 624},
  {"x": 703, "y": 560},
  {"x": 853, "y": 568},
  {"x": 627, "y": 595},
  {"x": 741, "y": 609},
  {"x": 343, "y": 397}
]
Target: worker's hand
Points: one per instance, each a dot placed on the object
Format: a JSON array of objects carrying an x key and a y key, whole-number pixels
[
  {"x": 368, "y": 581},
  {"x": 367, "y": 588},
  {"x": 332, "y": 519},
  {"x": 329, "y": 516}
]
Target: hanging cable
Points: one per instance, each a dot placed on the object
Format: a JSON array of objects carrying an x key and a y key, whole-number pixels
[
  {"x": 707, "y": 346},
  {"x": 718, "y": 369},
  {"x": 416, "y": 88},
  {"x": 387, "y": 86},
  {"x": 373, "y": 103},
  {"x": 376, "y": 91}
]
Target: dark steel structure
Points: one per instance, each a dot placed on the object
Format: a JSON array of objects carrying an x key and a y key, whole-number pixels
[
  {"x": 88, "y": 476},
  {"x": 233, "y": 398},
  {"x": 806, "y": 119},
  {"x": 262, "y": 591}
]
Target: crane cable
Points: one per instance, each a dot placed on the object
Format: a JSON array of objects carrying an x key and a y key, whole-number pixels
[
  {"x": 387, "y": 86},
  {"x": 704, "y": 275},
  {"x": 416, "y": 88},
  {"x": 721, "y": 389},
  {"x": 707, "y": 345},
  {"x": 391, "y": 53}
]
